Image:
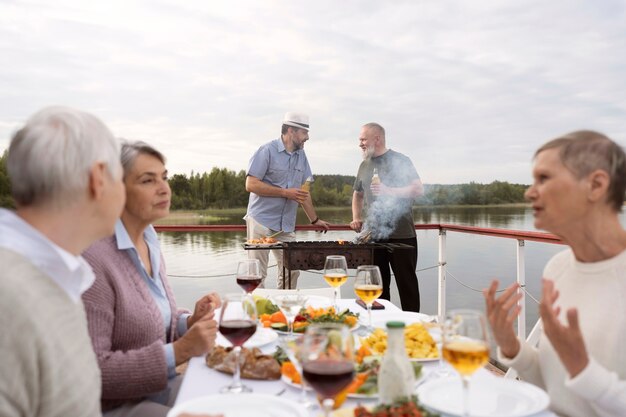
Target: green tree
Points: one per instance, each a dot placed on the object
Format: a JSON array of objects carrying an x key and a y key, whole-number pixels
[{"x": 5, "y": 184}]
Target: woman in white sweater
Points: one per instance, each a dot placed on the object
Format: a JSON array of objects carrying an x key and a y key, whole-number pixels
[{"x": 578, "y": 191}]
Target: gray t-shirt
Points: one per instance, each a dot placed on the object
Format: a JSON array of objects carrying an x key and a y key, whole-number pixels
[{"x": 386, "y": 216}]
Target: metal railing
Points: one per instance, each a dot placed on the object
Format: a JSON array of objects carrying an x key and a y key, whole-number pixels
[{"x": 520, "y": 236}]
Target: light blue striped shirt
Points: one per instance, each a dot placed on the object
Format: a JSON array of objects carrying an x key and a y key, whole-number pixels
[{"x": 273, "y": 165}]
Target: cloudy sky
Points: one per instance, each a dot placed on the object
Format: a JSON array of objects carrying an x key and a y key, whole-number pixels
[{"x": 467, "y": 89}]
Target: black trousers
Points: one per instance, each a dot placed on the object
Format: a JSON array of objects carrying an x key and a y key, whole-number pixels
[{"x": 403, "y": 262}]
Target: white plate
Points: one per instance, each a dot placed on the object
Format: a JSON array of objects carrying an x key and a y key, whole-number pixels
[
  {"x": 261, "y": 337},
  {"x": 489, "y": 397},
  {"x": 241, "y": 405},
  {"x": 407, "y": 317}
]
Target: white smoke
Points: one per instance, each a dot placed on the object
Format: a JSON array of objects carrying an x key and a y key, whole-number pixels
[{"x": 385, "y": 211}]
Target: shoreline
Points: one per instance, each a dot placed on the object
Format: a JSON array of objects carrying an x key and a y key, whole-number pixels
[{"x": 217, "y": 213}]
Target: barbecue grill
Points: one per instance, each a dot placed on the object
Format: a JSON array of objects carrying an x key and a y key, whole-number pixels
[{"x": 302, "y": 255}]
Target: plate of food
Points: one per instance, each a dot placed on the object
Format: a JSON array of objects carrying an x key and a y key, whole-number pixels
[
  {"x": 316, "y": 310},
  {"x": 364, "y": 384},
  {"x": 264, "y": 242},
  {"x": 420, "y": 344},
  {"x": 403, "y": 407}
]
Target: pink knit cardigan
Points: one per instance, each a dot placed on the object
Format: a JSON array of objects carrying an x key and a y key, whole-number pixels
[{"x": 126, "y": 326}]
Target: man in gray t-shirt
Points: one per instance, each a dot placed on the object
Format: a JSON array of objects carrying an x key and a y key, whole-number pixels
[
  {"x": 275, "y": 176},
  {"x": 386, "y": 186}
]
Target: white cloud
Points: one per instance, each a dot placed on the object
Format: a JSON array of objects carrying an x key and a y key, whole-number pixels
[{"x": 467, "y": 89}]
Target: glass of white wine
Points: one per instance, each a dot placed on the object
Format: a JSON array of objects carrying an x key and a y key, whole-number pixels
[
  {"x": 465, "y": 346},
  {"x": 336, "y": 274},
  {"x": 368, "y": 286}
]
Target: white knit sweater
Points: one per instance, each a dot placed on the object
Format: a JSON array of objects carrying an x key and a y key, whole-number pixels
[
  {"x": 47, "y": 365},
  {"x": 598, "y": 291}
]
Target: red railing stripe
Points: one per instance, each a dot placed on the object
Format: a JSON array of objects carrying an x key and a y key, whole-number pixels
[{"x": 505, "y": 233}]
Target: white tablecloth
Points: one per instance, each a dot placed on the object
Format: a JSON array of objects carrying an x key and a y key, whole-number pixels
[{"x": 200, "y": 380}]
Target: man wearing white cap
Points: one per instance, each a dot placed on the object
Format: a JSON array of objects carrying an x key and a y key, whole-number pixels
[{"x": 275, "y": 176}]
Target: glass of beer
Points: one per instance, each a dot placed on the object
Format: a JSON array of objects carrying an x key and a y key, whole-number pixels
[
  {"x": 368, "y": 286},
  {"x": 336, "y": 274},
  {"x": 465, "y": 346}
]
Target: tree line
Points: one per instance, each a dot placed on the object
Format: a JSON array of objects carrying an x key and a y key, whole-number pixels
[{"x": 223, "y": 188}]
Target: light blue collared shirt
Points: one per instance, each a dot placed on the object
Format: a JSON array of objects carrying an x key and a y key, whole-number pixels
[
  {"x": 72, "y": 273},
  {"x": 273, "y": 165},
  {"x": 154, "y": 283}
]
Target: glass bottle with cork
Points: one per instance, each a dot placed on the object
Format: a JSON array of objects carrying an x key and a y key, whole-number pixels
[{"x": 396, "y": 379}]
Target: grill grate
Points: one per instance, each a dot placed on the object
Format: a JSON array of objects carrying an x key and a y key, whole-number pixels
[{"x": 302, "y": 255}]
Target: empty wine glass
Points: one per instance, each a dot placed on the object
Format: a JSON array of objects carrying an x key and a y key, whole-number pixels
[
  {"x": 238, "y": 322},
  {"x": 441, "y": 371},
  {"x": 249, "y": 274},
  {"x": 336, "y": 274},
  {"x": 465, "y": 346},
  {"x": 368, "y": 286},
  {"x": 327, "y": 361},
  {"x": 290, "y": 304},
  {"x": 292, "y": 346}
]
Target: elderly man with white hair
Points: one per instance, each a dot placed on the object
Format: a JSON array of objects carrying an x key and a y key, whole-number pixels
[{"x": 66, "y": 180}]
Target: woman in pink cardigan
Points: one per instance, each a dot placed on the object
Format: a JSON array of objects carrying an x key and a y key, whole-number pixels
[{"x": 137, "y": 332}]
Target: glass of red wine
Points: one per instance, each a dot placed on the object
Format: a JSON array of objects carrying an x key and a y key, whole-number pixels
[
  {"x": 238, "y": 322},
  {"x": 249, "y": 274},
  {"x": 327, "y": 358}
]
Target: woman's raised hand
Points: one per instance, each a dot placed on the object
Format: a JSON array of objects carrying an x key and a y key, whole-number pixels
[{"x": 501, "y": 313}]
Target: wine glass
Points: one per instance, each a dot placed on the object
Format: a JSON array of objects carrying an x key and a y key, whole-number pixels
[
  {"x": 238, "y": 322},
  {"x": 292, "y": 346},
  {"x": 465, "y": 346},
  {"x": 290, "y": 304},
  {"x": 336, "y": 274},
  {"x": 249, "y": 274},
  {"x": 327, "y": 361},
  {"x": 368, "y": 286},
  {"x": 441, "y": 371}
]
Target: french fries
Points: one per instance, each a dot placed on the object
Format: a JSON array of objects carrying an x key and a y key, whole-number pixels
[{"x": 419, "y": 343}]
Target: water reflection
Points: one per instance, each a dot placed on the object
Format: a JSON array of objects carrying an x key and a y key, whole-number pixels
[{"x": 201, "y": 262}]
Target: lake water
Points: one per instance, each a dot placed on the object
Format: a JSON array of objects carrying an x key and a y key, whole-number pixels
[{"x": 201, "y": 262}]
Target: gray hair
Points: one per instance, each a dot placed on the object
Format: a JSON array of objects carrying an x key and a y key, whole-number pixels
[
  {"x": 585, "y": 151},
  {"x": 50, "y": 157},
  {"x": 132, "y": 149},
  {"x": 376, "y": 128}
]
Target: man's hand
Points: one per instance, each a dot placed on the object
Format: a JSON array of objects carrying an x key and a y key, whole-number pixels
[
  {"x": 198, "y": 340},
  {"x": 356, "y": 225},
  {"x": 296, "y": 194},
  {"x": 568, "y": 341},
  {"x": 381, "y": 189},
  {"x": 205, "y": 305},
  {"x": 322, "y": 226},
  {"x": 501, "y": 313}
]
